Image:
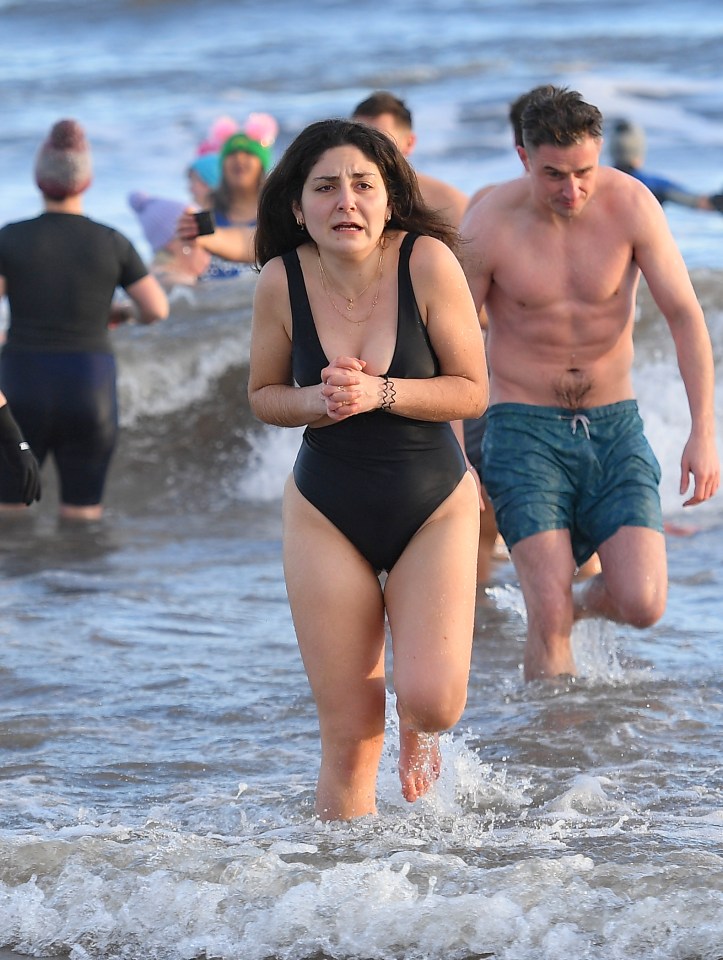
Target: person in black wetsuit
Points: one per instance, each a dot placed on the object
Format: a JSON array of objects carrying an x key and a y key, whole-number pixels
[
  {"x": 57, "y": 369},
  {"x": 364, "y": 331},
  {"x": 627, "y": 153}
]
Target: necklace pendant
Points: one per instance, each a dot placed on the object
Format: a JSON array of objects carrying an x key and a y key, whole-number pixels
[{"x": 349, "y": 304}]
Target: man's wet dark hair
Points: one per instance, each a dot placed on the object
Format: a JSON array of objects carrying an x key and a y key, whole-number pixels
[
  {"x": 559, "y": 118},
  {"x": 517, "y": 108}
]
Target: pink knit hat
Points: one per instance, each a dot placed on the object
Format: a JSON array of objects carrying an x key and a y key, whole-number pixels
[{"x": 63, "y": 165}]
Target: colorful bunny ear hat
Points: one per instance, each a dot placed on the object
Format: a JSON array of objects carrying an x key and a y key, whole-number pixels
[
  {"x": 262, "y": 127},
  {"x": 218, "y": 133},
  {"x": 256, "y": 137}
]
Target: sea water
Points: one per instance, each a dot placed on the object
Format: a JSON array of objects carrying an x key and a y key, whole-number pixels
[{"x": 158, "y": 742}]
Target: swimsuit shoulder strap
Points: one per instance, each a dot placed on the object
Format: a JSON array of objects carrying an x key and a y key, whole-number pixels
[
  {"x": 413, "y": 355},
  {"x": 405, "y": 252},
  {"x": 307, "y": 356}
]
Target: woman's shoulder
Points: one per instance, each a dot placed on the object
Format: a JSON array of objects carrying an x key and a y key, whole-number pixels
[
  {"x": 272, "y": 272},
  {"x": 429, "y": 253},
  {"x": 273, "y": 277}
]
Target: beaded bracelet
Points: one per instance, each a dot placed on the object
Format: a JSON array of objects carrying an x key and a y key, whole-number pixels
[{"x": 389, "y": 394}]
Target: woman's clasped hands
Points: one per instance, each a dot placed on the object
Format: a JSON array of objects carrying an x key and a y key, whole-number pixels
[{"x": 347, "y": 390}]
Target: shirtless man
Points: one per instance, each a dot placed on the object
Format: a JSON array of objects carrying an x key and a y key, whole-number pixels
[
  {"x": 555, "y": 257},
  {"x": 391, "y": 116},
  {"x": 473, "y": 430}
]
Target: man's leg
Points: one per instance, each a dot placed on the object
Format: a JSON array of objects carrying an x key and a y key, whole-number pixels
[
  {"x": 545, "y": 566},
  {"x": 633, "y": 585}
]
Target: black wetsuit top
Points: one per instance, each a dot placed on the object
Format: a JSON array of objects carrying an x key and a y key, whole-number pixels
[
  {"x": 61, "y": 271},
  {"x": 57, "y": 367},
  {"x": 376, "y": 476}
]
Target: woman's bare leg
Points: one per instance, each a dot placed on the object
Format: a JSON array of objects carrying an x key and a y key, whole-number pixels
[
  {"x": 338, "y": 612},
  {"x": 430, "y": 599}
]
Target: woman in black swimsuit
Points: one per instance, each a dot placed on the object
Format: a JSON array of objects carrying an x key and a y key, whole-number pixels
[{"x": 365, "y": 332}]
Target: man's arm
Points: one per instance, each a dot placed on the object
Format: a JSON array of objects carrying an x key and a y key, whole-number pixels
[{"x": 667, "y": 277}]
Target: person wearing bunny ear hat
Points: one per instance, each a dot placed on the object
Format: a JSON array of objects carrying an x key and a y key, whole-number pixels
[{"x": 244, "y": 158}]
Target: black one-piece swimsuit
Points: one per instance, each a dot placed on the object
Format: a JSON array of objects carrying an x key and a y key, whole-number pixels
[{"x": 376, "y": 476}]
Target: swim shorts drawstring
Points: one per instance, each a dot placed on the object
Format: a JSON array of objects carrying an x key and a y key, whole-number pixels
[{"x": 579, "y": 418}]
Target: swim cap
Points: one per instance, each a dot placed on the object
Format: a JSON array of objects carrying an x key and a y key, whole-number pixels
[
  {"x": 627, "y": 144},
  {"x": 63, "y": 166}
]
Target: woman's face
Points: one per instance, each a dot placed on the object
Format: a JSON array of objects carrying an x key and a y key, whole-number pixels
[
  {"x": 242, "y": 171},
  {"x": 344, "y": 203}
]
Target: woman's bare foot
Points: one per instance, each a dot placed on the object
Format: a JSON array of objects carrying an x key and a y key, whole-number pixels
[{"x": 420, "y": 762}]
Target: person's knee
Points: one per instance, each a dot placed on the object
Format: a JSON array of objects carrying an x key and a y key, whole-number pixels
[
  {"x": 643, "y": 608},
  {"x": 432, "y": 707}
]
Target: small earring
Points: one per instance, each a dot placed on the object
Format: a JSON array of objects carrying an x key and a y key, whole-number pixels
[{"x": 300, "y": 223}]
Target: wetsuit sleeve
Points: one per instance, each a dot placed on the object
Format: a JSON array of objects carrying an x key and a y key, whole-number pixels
[
  {"x": 681, "y": 197},
  {"x": 17, "y": 457},
  {"x": 666, "y": 191}
]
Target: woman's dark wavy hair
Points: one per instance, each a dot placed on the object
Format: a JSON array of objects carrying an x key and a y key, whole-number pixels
[{"x": 277, "y": 231}]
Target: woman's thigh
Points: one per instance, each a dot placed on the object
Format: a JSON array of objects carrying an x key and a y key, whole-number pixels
[
  {"x": 430, "y": 597},
  {"x": 338, "y": 611}
]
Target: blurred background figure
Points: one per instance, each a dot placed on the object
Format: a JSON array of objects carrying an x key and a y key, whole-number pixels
[
  {"x": 245, "y": 158},
  {"x": 626, "y": 143},
  {"x": 60, "y": 271},
  {"x": 204, "y": 172},
  {"x": 204, "y": 177},
  {"x": 174, "y": 261}
]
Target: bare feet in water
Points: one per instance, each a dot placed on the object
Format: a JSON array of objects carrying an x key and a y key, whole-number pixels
[{"x": 420, "y": 762}]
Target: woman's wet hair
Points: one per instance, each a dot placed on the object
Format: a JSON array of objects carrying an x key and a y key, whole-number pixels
[{"x": 277, "y": 231}]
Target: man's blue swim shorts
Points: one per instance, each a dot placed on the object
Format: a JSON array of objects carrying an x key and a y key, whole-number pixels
[{"x": 589, "y": 471}]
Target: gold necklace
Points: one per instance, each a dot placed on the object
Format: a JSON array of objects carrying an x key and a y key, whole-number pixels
[{"x": 350, "y": 300}]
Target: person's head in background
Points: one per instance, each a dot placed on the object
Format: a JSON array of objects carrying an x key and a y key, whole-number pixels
[
  {"x": 244, "y": 163},
  {"x": 174, "y": 261},
  {"x": 204, "y": 176},
  {"x": 245, "y": 159},
  {"x": 63, "y": 167},
  {"x": 390, "y": 115},
  {"x": 626, "y": 144}
]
